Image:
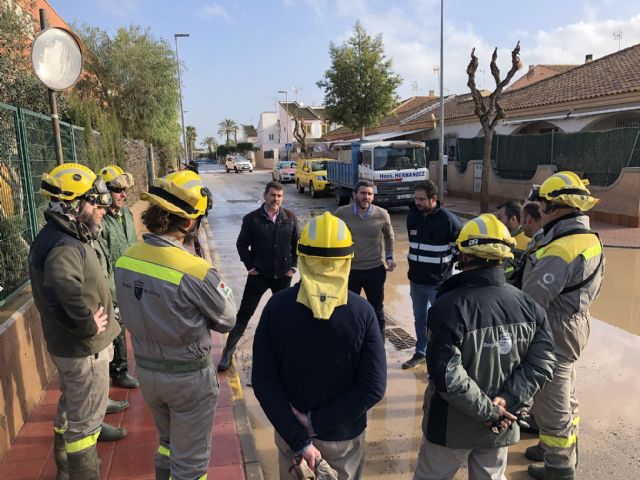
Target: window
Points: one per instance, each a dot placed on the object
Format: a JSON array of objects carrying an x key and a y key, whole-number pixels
[
  {"x": 271, "y": 137},
  {"x": 268, "y": 154},
  {"x": 325, "y": 128},
  {"x": 307, "y": 129},
  {"x": 366, "y": 158}
]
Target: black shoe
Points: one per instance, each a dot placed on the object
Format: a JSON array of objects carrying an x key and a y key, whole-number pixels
[
  {"x": 115, "y": 406},
  {"x": 535, "y": 453},
  {"x": 225, "y": 361},
  {"x": 125, "y": 380},
  {"x": 109, "y": 433},
  {"x": 414, "y": 361},
  {"x": 541, "y": 472}
]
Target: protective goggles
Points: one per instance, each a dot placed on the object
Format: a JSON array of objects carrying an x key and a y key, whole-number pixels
[
  {"x": 534, "y": 194},
  {"x": 99, "y": 194}
]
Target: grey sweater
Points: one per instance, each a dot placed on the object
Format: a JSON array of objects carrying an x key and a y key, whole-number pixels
[{"x": 368, "y": 234}]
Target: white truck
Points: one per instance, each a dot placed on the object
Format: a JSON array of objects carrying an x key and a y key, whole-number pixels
[{"x": 395, "y": 168}]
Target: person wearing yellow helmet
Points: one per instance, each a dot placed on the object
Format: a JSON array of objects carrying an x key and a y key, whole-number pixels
[
  {"x": 564, "y": 276},
  {"x": 118, "y": 234},
  {"x": 169, "y": 300},
  {"x": 318, "y": 358},
  {"x": 490, "y": 350},
  {"x": 72, "y": 296}
]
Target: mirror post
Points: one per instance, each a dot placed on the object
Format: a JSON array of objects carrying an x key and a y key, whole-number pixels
[{"x": 53, "y": 105}]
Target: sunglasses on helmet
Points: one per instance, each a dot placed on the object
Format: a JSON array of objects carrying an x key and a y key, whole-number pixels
[{"x": 534, "y": 194}]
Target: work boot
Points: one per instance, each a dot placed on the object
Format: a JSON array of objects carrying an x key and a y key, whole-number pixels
[
  {"x": 162, "y": 474},
  {"x": 60, "y": 456},
  {"x": 414, "y": 361},
  {"x": 115, "y": 406},
  {"x": 542, "y": 472},
  {"x": 225, "y": 361},
  {"x": 109, "y": 433},
  {"x": 125, "y": 380},
  {"x": 535, "y": 453},
  {"x": 84, "y": 465}
]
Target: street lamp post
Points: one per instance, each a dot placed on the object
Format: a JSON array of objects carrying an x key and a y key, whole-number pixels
[
  {"x": 184, "y": 130},
  {"x": 441, "y": 153},
  {"x": 286, "y": 109}
]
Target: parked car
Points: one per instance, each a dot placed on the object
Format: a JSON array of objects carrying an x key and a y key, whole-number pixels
[
  {"x": 284, "y": 171},
  {"x": 238, "y": 163},
  {"x": 311, "y": 174}
]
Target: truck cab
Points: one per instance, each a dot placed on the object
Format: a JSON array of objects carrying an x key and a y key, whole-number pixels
[
  {"x": 311, "y": 174},
  {"x": 394, "y": 167}
]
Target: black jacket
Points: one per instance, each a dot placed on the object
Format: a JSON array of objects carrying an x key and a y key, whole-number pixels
[
  {"x": 270, "y": 248},
  {"x": 430, "y": 257},
  {"x": 486, "y": 339},
  {"x": 334, "y": 369}
]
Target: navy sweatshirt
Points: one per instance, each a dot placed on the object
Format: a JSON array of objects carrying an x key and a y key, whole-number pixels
[{"x": 335, "y": 369}]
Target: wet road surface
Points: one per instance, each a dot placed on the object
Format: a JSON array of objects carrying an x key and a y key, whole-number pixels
[{"x": 608, "y": 389}]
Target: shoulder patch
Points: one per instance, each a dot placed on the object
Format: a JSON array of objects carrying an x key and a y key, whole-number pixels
[{"x": 224, "y": 289}]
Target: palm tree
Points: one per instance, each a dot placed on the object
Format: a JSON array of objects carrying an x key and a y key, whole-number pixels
[
  {"x": 210, "y": 143},
  {"x": 227, "y": 127},
  {"x": 191, "y": 140}
]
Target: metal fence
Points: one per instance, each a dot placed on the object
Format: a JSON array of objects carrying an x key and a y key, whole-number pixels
[
  {"x": 599, "y": 156},
  {"x": 26, "y": 152}
]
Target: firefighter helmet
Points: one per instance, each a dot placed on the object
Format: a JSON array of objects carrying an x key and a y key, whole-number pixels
[
  {"x": 567, "y": 189},
  {"x": 181, "y": 193},
  {"x": 486, "y": 237},
  {"x": 326, "y": 236}
]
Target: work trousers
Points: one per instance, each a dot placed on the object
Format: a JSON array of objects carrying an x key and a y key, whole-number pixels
[
  {"x": 372, "y": 282},
  {"x": 254, "y": 289},
  {"x": 555, "y": 409},
  {"x": 183, "y": 407},
  {"x": 119, "y": 365},
  {"x": 84, "y": 386},
  {"x": 345, "y": 457},
  {"x": 436, "y": 462},
  {"x": 422, "y": 297}
]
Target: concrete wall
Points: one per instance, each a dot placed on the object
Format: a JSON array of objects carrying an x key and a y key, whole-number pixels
[
  {"x": 26, "y": 366},
  {"x": 619, "y": 202}
]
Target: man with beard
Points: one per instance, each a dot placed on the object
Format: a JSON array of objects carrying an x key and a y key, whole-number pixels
[
  {"x": 118, "y": 234},
  {"x": 76, "y": 311},
  {"x": 371, "y": 229},
  {"x": 431, "y": 229},
  {"x": 319, "y": 362},
  {"x": 267, "y": 247}
]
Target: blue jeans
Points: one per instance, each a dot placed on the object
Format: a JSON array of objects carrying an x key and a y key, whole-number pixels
[{"x": 422, "y": 296}]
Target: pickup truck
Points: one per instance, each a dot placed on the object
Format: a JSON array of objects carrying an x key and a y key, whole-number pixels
[{"x": 395, "y": 168}]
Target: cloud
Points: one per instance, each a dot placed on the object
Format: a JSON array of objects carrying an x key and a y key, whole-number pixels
[
  {"x": 215, "y": 10},
  {"x": 121, "y": 8}
]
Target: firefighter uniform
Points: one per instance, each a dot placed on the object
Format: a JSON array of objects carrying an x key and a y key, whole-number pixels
[
  {"x": 169, "y": 300},
  {"x": 564, "y": 276}
]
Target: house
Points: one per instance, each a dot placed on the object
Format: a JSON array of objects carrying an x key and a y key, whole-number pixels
[
  {"x": 540, "y": 72},
  {"x": 311, "y": 118},
  {"x": 267, "y": 139},
  {"x": 249, "y": 133}
]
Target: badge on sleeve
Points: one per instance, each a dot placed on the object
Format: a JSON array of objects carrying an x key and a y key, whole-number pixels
[{"x": 224, "y": 289}]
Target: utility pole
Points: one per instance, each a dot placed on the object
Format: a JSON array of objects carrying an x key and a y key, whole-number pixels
[
  {"x": 286, "y": 109},
  {"x": 184, "y": 130},
  {"x": 441, "y": 142}
]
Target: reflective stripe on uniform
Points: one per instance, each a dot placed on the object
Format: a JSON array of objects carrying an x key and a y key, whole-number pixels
[
  {"x": 172, "y": 258},
  {"x": 558, "y": 442},
  {"x": 576, "y": 421},
  {"x": 203, "y": 477},
  {"x": 59, "y": 430},
  {"x": 570, "y": 247},
  {"x": 429, "y": 248},
  {"x": 150, "y": 269},
  {"x": 82, "y": 444},
  {"x": 164, "y": 451},
  {"x": 423, "y": 259}
]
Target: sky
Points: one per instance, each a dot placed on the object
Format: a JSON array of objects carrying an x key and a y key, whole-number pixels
[{"x": 240, "y": 53}]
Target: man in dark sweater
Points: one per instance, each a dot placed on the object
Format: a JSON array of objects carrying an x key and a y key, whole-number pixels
[
  {"x": 267, "y": 247},
  {"x": 319, "y": 361},
  {"x": 431, "y": 229}
]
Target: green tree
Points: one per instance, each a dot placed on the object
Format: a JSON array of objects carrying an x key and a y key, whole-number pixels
[
  {"x": 360, "y": 87},
  {"x": 18, "y": 84},
  {"x": 191, "y": 140},
  {"x": 133, "y": 74},
  {"x": 210, "y": 143},
  {"x": 226, "y": 128},
  {"x": 489, "y": 111}
]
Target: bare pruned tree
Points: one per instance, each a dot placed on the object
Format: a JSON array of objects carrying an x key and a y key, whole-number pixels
[
  {"x": 300, "y": 133},
  {"x": 489, "y": 111}
]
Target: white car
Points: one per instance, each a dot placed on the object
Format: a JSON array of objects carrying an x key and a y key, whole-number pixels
[
  {"x": 238, "y": 163},
  {"x": 284, "y": 171}
]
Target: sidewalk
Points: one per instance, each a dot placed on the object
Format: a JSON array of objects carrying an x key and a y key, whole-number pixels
[
  {"x": 31, "y": 456},
  {"x": 611, "y": 235}
]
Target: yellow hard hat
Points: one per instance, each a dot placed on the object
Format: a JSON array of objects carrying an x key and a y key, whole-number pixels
[
  {"x": 486, "y": 237},
  {"x": 70, "y": 181},
  {"x": 181, "y": 193},
  {"x": 566, "y": 188},
  {"x": 326, "y": 236},
  {"x": 114, "y": 176}
]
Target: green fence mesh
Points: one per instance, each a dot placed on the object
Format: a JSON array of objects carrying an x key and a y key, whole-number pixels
[{"x": 26, "y": 152}]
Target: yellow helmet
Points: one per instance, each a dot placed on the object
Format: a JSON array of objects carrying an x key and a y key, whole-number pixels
[
  {"x": 181, "y": 193},
  {"x": 70, "y": 181},
  {"x": 326, "y": 236},
  {"x": 566, "y": 188},
  {"x": 486, "y": 237},
  {"x": 114, "y": 176}
]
